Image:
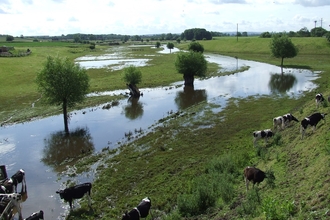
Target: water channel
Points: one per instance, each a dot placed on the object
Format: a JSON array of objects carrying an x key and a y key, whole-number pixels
[{"x": 39, "y": 147}]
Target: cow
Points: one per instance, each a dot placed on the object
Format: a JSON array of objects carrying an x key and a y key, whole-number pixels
[
  {"x": 141, "y": 211},
  {"x": 278, "y": 122},
  {"x": 265, "y": 134},
  {"x": 36, "y": 216},
  {"x": 288, "y": 118},
  {"x": 253, "y": 174},
  {"x": 18, "y": 177},
  {"x": 319, "y": 99},
  {"x": 311, "y": 120},
  {"x": 76, "y": 192},
  {"x": 11, "y": 199}
]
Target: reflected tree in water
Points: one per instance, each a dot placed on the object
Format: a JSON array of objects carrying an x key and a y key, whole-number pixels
[
  {"x": 281, "y": 83},
  {"x": 189, "y": 97},
  {"x": 62, "y": 147},
  {"x": 134, "y": 109}
]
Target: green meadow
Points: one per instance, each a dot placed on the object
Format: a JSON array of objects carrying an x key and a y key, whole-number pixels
[{"x": 191, "y": 165}]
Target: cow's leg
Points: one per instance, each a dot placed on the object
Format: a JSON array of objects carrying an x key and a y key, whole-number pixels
[
  {"x": 89, "y": 198},
  {"x": 70, "y": 203},
  {"x": 247, "y": 184}
]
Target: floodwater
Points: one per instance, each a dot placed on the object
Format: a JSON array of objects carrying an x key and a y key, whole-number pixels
[{"x": 40, "y": 147}]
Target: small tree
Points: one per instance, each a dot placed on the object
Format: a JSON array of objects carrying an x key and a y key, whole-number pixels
[
  {"x": 170, "y": 46},
  {"x": 191, "y": 64},
  {"x": 132, "y": 77},
  {"x": 157, "y": 45},
  {"x": 196, "y": 47},
  {"x": 282, "y": 47},
  {"x": 9, "y": 38},
  {"x": 62, "y": 82}
]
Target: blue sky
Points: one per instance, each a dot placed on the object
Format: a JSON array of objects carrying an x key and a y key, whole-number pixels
[{"x": 131, "y": 17}]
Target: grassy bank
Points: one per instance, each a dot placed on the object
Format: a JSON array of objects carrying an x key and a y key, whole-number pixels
[{"x": 199, "y": 154}]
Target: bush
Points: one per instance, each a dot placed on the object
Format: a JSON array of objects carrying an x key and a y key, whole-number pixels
[
  {"x": 132, "y": 75},
  {"x": 203, "y": 196}
]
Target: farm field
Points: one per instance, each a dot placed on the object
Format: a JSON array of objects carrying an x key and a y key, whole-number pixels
[{"x": 201, "y": 155}]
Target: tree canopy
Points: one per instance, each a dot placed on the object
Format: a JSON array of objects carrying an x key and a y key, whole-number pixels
[
  {"x": 282, "y": 47},
  {"x": 196, "y": 47},
  {"x": 196, "y": 34},
  {"x": 61, "y": 81},
  {"x": 132, "y": 75}
]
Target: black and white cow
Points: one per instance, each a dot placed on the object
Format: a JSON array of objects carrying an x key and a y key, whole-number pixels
[
  {"x": 36, "y": 216},
  {"x": 76, "y": 192},
  {"x": 278, "y": 122},
  {"x": 288, "y": 118},
  {"x": 15, "y": 199},
  {"x": 319, "y": 99},
  {"x": 262, "y": 134},
  {"x": 311, "y": 120},
  {"x": 141, "y": 211},
  {"x": 18, "y": 177}
]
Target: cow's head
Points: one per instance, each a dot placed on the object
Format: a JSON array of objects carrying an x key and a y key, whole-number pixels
[
  {"x": 61, "y": 192},
  {"x": 126, "y": 216}
]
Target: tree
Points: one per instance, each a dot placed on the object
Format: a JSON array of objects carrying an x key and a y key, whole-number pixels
[
  {"x": 196, "y": 47},
  {"x": 282, "y": 47},
  {"x": 157, "y": 45},
  {"x": 304, "y": 32},
  {"x": 191, "y": 64},
  {"x": 132, "y": 77},
  {"x": 9, "y": 38},
  {"x": 170, "y": 46},
  {"x": 318, "y": 32},
  {"x": 265, "y": 35},
  {"x": 62, "y": 82}
]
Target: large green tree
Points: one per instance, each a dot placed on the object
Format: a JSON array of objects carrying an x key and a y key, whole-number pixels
[
  {"x": 191, "y": 64},
  {"x": 62, "y": 82},
  {"x": 282, "y": 47}
]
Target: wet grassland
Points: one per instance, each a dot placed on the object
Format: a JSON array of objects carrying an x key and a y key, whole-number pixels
[{"x": 191, "y": 162}]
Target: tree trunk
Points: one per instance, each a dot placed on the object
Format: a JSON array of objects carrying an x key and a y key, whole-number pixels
[
  {"x": 188, "y": 79},
  {"x": 282, "y": 62},
  {"x": 65, "y": 116},
  {"x": 134, "y": 90}
]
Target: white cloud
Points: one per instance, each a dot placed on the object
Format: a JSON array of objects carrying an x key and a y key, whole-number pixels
[
  {"x": 56, "y": 17},
  {"x": 312, "y": 3}
]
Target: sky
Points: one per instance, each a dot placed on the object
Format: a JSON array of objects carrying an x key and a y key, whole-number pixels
[{"x": 140, "y": 17}]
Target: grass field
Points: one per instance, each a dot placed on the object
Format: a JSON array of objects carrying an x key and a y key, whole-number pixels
[{"x": 192, "y": 164}]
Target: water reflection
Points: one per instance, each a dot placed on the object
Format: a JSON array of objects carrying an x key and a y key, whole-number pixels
[
  {"x": 281, "y": 83},
  {"x": 189, "y": 97},
  {"x": 62, "y": 147},
  {"x": 134, "y": 109}
]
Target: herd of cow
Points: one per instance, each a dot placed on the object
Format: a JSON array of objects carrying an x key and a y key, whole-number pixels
[
  {"x": 10, "y": 199},
  {"x": 256, "y": 175}
]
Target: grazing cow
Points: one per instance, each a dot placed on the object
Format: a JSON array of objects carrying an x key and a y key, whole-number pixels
[
  {"x": 36, "y": 216},
  {"x": 253, "y": 174},
  {"x": 76, "y": 192},
  {"x": 141, "y": 211},
  {"x": 311, "y": 120},
  {"x": 278, "y": 122},
  {"x": 319, "y": 99},
  {"x": 288, "y": 118},
  {"x": 265, "y": 134},
  {"x": 15, "y": 199}
]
